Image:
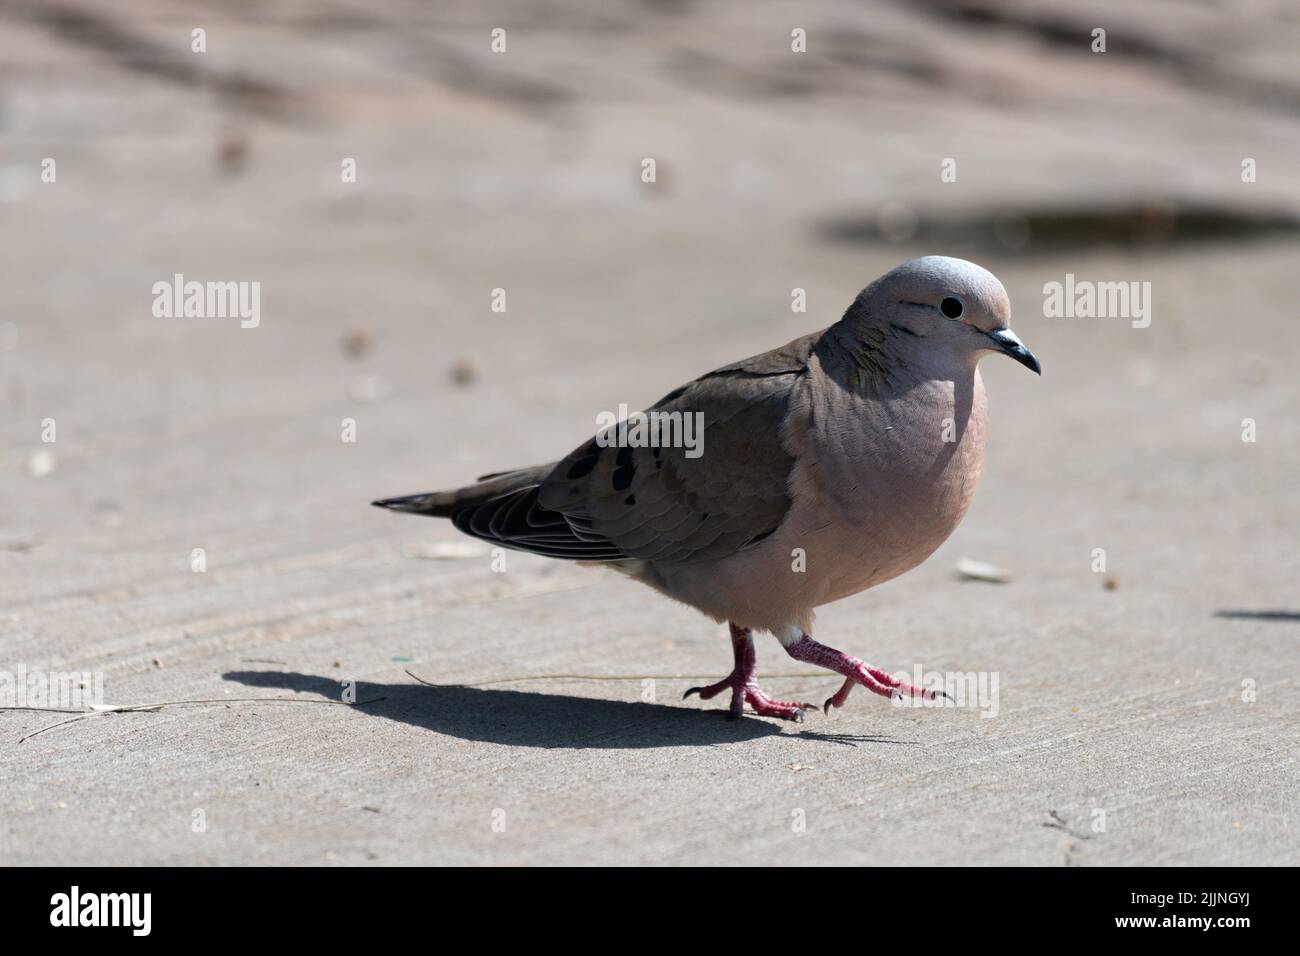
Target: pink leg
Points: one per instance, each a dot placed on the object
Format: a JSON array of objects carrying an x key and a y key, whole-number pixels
[
  {"x": 855, "y": 672},
  {"x": 743, "y": 684}
]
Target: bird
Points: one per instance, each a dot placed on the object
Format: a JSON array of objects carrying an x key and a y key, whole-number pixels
[{"x": 821, "y": 468}]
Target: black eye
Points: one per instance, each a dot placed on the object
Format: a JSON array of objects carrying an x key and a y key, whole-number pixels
[{"x": 951, "y": 307}]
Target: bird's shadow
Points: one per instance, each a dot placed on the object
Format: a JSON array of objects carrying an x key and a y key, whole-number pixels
[
  {"x": 520, "y": 718},
  {"x": 1254, "y": 615}
]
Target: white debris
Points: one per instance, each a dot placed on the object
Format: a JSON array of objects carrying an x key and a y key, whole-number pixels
[
  {"x": 449, "y": 551},
  {"x": 982, "y": 571},
  {"x": 41, "y": 463}
]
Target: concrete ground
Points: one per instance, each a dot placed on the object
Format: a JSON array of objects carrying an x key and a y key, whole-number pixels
[{"x": 1146, "y": 713}]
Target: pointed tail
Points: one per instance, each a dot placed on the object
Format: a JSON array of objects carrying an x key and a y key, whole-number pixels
[{"x": 443, "y": 504}]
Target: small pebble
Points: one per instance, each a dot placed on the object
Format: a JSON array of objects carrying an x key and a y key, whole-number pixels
[
  {"x": 463, "y": 373},
  {"x": 356, "y": 343},
  {"x": 232, "y": 152}
]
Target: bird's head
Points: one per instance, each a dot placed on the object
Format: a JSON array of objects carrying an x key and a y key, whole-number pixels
[{"x": 954, "y": 304}]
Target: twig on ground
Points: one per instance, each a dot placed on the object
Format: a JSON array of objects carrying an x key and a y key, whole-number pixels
[
  {"x": 611, "y": 677},
  {"x": 98, "y": 710}
]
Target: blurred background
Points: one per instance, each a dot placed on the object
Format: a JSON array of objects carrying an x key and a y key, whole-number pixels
[{"x": 1170, "y": 158}]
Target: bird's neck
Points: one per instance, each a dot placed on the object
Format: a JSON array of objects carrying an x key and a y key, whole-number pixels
[
  {"x": 881, "y": 428},
  {"x": 877, "y": 359}
]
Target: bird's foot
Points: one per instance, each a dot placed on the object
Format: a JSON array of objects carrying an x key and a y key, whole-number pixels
[
  {"x": 855, "y": 672},
  {"x": 744, "y": 690},
  {"x": 766, "y": 706},
  {"x": 878, "y": 682}
]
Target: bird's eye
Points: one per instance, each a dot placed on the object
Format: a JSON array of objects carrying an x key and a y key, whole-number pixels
[{"x": 951, "y": 307}]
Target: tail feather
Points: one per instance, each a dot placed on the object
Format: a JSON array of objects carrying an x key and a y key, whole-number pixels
[
  {"x": 439, "y": 504},
  {"x": 503, "y": 508},
  {"x": 443, "y": 504}
]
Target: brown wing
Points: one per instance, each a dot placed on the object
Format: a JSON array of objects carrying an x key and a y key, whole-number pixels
[{"x": 657, "y": 502}]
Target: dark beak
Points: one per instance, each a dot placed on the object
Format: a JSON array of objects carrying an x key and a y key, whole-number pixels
[{"x": 1006, "y": 342}]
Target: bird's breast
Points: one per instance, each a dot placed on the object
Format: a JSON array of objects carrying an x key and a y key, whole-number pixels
[{"x": 894, "y": 474}]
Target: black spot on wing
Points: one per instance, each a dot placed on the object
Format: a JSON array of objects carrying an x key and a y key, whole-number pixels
[
  {"x": 625, "y": 471},
  {"x": 582, "y": 466}
]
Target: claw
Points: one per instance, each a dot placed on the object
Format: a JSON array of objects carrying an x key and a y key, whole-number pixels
[
  {"x": 744, "y": 687},
  {"x": 767, "y": 707}
]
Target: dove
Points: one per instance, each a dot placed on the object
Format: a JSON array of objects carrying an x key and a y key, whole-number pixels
[{"x": 824, "y": 467}]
